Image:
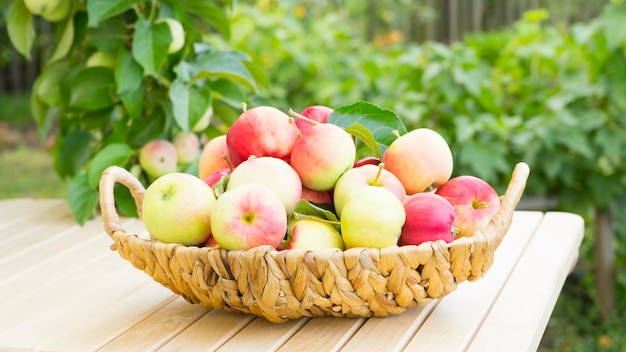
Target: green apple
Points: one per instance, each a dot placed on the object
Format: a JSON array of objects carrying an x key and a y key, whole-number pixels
[
  {"x": 51, "y": 10},
  {"x": 362, "y": 176},
  {"x": 101, "y": 59},
  {"x": 373, "y": 217},
  {"x": 178, "y": 34},
  {"x": 176, "y": 208},
  {"x": 313, "y": 234}
]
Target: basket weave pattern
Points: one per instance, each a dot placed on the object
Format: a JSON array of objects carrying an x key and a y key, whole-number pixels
[{"x": 289, "y": 284}]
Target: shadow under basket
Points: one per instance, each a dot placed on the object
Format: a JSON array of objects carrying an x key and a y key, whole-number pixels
[{"x": 289, "y": 284}]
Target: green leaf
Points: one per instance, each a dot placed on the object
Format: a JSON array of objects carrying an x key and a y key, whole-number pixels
[
  {"x": 146, "y": 128},
  {"x": 124, "y": 201},
  {"x": 133, "y": 102},
  {"x": 113, "y": 154},
  {"x": 73, "y": 153},
  {"x": 93, "y": 88},
  {"x": 224, "y": 64},
  {"x": 188, "y": 103},
  {"x": 99, "y": 10},
  {"x": 305, "y": 207},
  {"x": 50, "y": 81},
  {"x": 212, "y": 13},
  {"x": 110, "y": 35},
  {"x": 366, "y": 136},
  {"x": 150, "y": 44},
  {"x": 20, "y": 27},
  {"x": 381, "y": 123},
  {"x": 228, "y": 92},
  {"x": 65, "y": 43},
  {"x": 82, "y": 198},
  {"x": 128, "y": 73}
]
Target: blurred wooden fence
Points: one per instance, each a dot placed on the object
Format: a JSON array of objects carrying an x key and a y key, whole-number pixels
[{"x": 418, "y": 20}]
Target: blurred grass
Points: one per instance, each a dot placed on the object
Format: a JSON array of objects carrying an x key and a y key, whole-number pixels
[{"x": 25, "y": 165}]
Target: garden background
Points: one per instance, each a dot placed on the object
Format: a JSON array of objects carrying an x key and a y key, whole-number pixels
[{"x": 503, "y": 81}]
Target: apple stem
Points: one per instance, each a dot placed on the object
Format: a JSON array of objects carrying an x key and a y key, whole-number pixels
[
  {"x": 381, "y": 166},
  {"x": 292, "y": 121},
  {"x": 230, "y": 166},
  {"x": 244, "y": 106},
  {"x": 395, "y": 133},
  {"x": 302, "y": 117}
]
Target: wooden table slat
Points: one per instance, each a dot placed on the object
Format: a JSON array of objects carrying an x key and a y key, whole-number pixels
[
  {"x": 461, "y": 313},
  {"x": 534, "y": 285},
  {"x": 26, "y": 210}
]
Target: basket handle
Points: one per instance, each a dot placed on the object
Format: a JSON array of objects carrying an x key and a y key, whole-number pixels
[
  {"x": 109, "y": 177},
  {"x": 510, "y": 199}
]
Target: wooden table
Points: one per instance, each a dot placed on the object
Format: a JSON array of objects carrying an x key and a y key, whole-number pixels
[{"x": 63, "y": 289}]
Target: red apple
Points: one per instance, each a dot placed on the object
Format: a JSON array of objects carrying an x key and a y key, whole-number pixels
[
  {"x": 429, "y": 217},
  {"x": 317, "y": 197},
  {"x": 421, "y": 159},
  {"x": 215, "y": 176},
  {"x": 158, "y": 157},
  {"x": 316, "y": 113},
  {"x": 366, "y": 175},
  {"x": 313, "y": 234},
  {"x": 214, "y": 157},
  {"x": 261, "y": 131},
  {"x": 274, "y": 173},
  {"x": 368, "y": 160},
  {"x": 475, "y": 202},
  {"x": 322, "y": 155},
  {"x": 176, "y": 208},
  {"x": 248, "y": 216}
]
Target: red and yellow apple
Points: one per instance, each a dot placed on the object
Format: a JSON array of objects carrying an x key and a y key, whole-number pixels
[
  {"x": 421, "y": 159},
  {"x": 261, "y": 131},
  {"x": 248, "y": 216},
  {"x": 317, "y": 113},
  {"x": 274, "y": 173},
  {"x": 176, "y": 208},
  {"x": 474, "y": 201},
  {"x": 158, "y": 157},
  {"x": 187, "y": 147},
  {"x": 214, "y": 157},
  {"x": 322, "y": 155}
]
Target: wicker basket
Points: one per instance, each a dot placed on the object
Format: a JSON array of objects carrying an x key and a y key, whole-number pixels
[{"x": 289, "y": 284}]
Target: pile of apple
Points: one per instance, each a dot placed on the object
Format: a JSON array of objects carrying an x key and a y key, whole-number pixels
[{"x": 293, "y": 181}]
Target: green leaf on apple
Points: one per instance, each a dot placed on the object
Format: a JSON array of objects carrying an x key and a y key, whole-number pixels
[
  {"x": 366, "y": 136},
  {"x": 82, "y": 198},
  {"x": 381, "y": 123},
  {"x": 304, "y": 207},
  {"x": 113, "y": 154},
  {"x": 128, "y": 73},
  {"x": 65, "y": 42}
]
